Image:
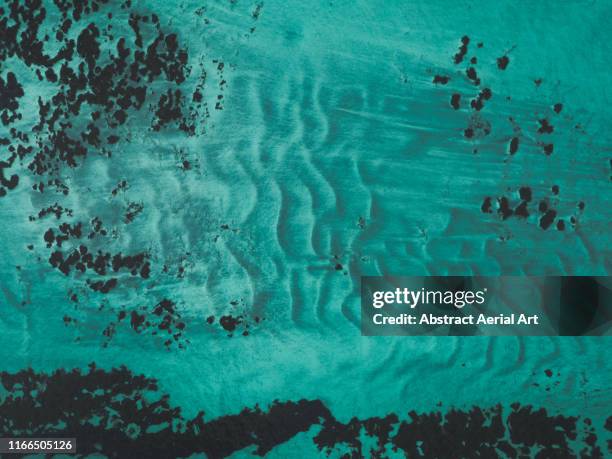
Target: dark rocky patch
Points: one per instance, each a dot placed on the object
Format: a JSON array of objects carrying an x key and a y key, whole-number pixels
[
  {"x": 502, "y": 62},
  {"x": 455, "y": 101},
  {"x": 514, "y": 145},
  {"x": 486, "y": 206},
  {"x": 111, "y": 413},
  {"x": 478, "y": 103},
  {"x": 547, "y": 219},
  {"x": 545, "y": 127},
  {"x": 162, "y": 320},
  {"x": 477, "y": 128},
  {"x": 133, "y": 209},
  {"x": 463, "y": 49},
  {"x": 472, "y": 75}
]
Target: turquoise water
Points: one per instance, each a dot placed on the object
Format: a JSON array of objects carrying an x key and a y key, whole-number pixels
[{"x": 334, "y": 156}]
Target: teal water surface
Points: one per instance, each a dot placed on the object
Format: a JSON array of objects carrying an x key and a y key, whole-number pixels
[{"x": 323, "y": 151}]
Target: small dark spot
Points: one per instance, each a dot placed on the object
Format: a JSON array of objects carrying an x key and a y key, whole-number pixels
[
  {"x": 560, "y": 225},
  {"x": 555, "y": 189},
  {"x": 210, "y": 319},
  {"x": 548, "y": 373},
  {"x": 514, "y": 144},
  {"x": 502, "y": 62},
  {"x": 557, "y": 108},
  {"x": 455, "y": 101},
  {"x": 441, "y": 79}
]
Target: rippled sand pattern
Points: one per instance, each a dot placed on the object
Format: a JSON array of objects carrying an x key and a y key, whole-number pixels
[{"x": 324, "y": 152}]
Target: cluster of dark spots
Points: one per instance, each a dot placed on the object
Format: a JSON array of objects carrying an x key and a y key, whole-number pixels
[
  {"x": 101, "y": 263},
  {"x": 477, "y": 127},
  {"x": 169, "y": 110},
  {"x": 463, "y": 49},
  {"x": 82, "y": 259},
  {"x": 337, "y": 265},
  {"x": 549, "y": 382},
  {"x": 183, "y": 160},
  {"x": 133, "y": 209},
  {"x": 10, "y": 92},
  {"x": 162, "y": 320},
  {"x": 60, "y": 187},
  {"x": 103, "y": 286},
  {"x": 441, "y": 79},
  {"x": 503, "y": 208},
  {"x": 455, "y": 101},
  {"x": 478, "y": 102},
  {"x": 113, "y": 410},
  {"x": 97, "y": 81},
  {"x": 231, "y": 323},
  {"x": 222, "y": 83},
  {"x": 179, "y": 266},
  {"x": 502, "y": 62},
  {"x": 54, "y": 209},
  {"x": 7, "y": 183},
  {"x": 97, "y": 228},
  {"x": 121, "y": 186},
  {"x": 257, "y": 11},
  {"x": 521, "y": 210},
  {"x": 525, "y": 207},
  {"x": 548, "y": 215},
  {"x": 63, "y": 233}
]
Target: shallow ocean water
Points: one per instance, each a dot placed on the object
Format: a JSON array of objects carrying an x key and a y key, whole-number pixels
[{"x": 333, "y": 156}]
